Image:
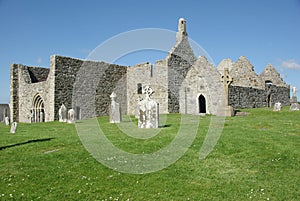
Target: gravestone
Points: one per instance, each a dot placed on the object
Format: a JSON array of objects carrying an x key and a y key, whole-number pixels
[
  {"x": 114, "y": 111},
  {"x": 6, "y": 119},
  {"x": 71, "y": 116},
  {"x": 277, "y": 107},
  {"x": 294, "y": 104},
  {"x": 294, "y": 96},
  {"x": 136, "y": 109},
  {"x": 148, "y": 111},
  {"x": 295, "y": 107},
  {"x": 13, "y": 127},
  {"x": 226, "y": 79},
  {"x": 62, "y": 113}
]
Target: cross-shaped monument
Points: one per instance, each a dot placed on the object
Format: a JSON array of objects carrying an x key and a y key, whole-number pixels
[
  {"x": 226, "y": 79},
  {"x": 148, "y": 110}
]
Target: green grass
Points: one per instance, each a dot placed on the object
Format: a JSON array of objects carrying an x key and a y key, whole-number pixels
[{"x": 256, "y": 158}]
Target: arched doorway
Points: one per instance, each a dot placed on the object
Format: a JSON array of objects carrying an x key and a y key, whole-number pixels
[
  {"x": 202, "y": 104},
  {"x": 38, "y": 111}
]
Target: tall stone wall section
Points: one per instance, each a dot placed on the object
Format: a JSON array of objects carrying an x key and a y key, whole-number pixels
[
  {"x": 202, "y": 80},
  {"x": 179, "y": 61},
  {"x": 27, "y": 87},
  {"x": 87, "y": 85},
  {"x": 4, "y": 112},
  {"x": 114, "y": 79},
  {"x": 155, "y": 76}
]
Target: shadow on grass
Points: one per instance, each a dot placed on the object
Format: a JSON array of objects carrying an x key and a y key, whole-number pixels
[
  {"x": 165, "y": 126},
  {"x": 27, "y": 142}
]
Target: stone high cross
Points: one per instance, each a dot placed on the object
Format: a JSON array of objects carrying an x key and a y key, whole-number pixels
[
  {"x": 148, "y": 91},
  {"x": 226, "y": 80}
]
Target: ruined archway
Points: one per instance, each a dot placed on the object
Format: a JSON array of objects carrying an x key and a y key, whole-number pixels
[
  {"x": 37, "y": 111},
  {"x": 202, "y": 104}
]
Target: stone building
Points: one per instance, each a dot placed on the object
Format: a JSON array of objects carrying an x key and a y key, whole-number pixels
[
  {"x": 4, "y": 111},
  {"x": 182, "y": 84}
]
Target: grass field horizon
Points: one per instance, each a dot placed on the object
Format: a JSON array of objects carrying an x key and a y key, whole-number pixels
[{"x": 256, "y": 158}]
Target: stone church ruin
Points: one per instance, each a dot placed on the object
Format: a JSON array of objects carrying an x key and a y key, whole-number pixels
[{"x": 182, "y": 84}]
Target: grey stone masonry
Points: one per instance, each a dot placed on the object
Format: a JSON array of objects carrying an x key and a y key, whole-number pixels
[
  {"x": 271, "y": 76},
  {"x": 243, "y": 74},
  {"x": 4, "y": 111},
  {"x": 179, "y": 60},
  {"x": 181, "y": 83}
]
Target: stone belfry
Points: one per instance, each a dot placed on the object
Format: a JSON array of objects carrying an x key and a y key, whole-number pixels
[
  {"x": 181, "y": 30},
  {"x": 179, "y": 60}
]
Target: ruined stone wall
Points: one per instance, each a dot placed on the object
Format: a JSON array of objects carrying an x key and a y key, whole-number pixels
[
  {"x": 4, "y": 111},
  {"x": 113, "y": 80},
  {"x": 203, "y": 79},
  {"x": 154, "y": 76},
  {"x": 179, "y": 61},
  {"x": 23, "y": 90},
  {"x": 38, "y": 74},
  {"x": 248, "y": 97},
  {"x": 87, "y": 85}
]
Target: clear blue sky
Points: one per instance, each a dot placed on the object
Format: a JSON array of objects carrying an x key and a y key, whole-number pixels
[{"x": 265, "y": 31}]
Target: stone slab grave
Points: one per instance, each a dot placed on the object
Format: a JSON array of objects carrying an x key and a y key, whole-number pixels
[
  {"x": 13, "y": 127},
  {"x": 62, "y": 113},
  {"x": 295, "y": 107},
  {"x": 6, "y": 120},
  {"x": 114, "y": 111},
  {"x": 294, "y": 104},
  {"x": 71, "y": 116},
  {"x": 277, "y": 107},
  {"x": 148, "y": 110}
]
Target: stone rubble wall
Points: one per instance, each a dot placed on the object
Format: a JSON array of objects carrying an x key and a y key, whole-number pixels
[
  {"x": 154, "y": 76},
  {"x": 243, "y": 74},
  {"x": 4, "y": 111},
  {"x": 248, "y": 97},
  {"x": 203, "y": 79},
  {"x": 179, "y": 61},
  {"x": 88, "y": 85},
  {"x": 270, "y": 74},
  {"x": 23, "y": 91}
]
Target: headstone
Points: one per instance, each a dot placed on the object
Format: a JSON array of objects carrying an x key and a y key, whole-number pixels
[
  {"x": 13, "y": 127},
  {"x": 277, "y": 107},
  {"x": 148, "y": 111},
  {"x": 62, "y": 112},
  {"x": 71, "y": 116},
  {"x": 6, "y": 119},
  {"x": 136, "y": 109},
  {"x": 226, "y": 80},
  {"x": 294, "y": 96},
  {"x": 295, "y": 107},
  {"x": 114, "y": 112},
  {"x": 294, "y": 90}
]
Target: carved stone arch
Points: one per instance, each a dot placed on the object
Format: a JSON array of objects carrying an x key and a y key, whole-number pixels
[{"x": 38, "y": 109}]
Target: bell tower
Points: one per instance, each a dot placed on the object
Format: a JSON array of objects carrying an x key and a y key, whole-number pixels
[{"x": 181, "y": 29}]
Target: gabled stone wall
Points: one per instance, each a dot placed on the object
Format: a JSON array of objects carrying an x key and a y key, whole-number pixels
[{"x": 179, "y": 61}]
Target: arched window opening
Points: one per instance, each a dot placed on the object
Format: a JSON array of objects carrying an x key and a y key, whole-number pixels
[{"x": 37, "y": 111}]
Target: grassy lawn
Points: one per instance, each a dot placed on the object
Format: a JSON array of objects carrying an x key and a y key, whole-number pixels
[{"x": 256, "y": 158}]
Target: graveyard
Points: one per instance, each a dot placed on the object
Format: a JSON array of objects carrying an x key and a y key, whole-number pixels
[{"x": 256, "y": 158}]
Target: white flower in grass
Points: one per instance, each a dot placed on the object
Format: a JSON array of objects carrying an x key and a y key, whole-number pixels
[{"x": 79, "y": 191}]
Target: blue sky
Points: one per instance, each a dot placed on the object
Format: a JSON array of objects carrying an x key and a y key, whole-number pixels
[{"x": 265, "y": 31}]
